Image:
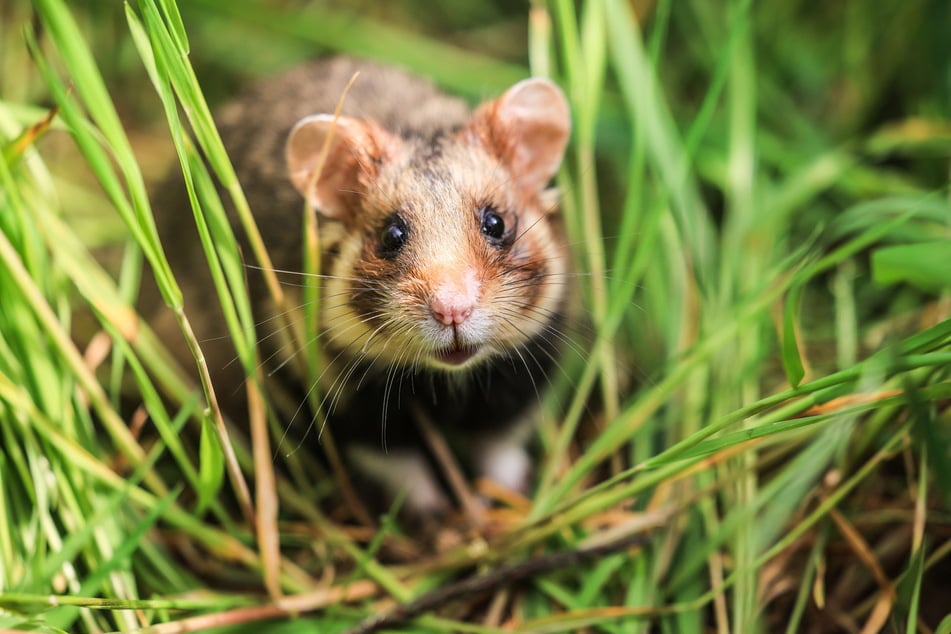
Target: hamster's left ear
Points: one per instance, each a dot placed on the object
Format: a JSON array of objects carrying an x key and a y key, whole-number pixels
[
  {"x": 356, "y": 150},
  {"x": 527, "y": 129}
]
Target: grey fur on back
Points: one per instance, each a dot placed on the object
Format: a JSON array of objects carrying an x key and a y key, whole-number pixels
[{"x": 254, "y": 127}]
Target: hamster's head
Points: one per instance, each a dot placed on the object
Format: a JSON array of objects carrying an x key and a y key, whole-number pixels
[{"x": 451, "y": 252}]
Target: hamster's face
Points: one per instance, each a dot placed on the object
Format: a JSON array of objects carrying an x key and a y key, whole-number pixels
[
  {"x": 449, "y": 255},
  {"x": 446, "y": 264}
]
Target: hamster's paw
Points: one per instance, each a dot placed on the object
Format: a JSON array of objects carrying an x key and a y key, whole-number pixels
[
  {"x": 402, "y": 472},
  {"x": 504, "y": 461}
]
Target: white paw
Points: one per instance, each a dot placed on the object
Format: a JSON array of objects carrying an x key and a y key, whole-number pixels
[
  {"x": 402, "y": 471},
  {"x": 506, "y": 463}
]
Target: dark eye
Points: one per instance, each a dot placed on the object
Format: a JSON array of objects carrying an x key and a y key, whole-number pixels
[
  {"x": 393, "y": 236},
  {"x": 492, "y": 224}
]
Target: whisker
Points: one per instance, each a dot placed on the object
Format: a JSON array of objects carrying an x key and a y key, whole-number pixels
[{"x": 321, "y": 276}]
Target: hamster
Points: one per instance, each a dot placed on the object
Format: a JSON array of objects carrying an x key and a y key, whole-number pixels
[{"x": 444, "y": 286}]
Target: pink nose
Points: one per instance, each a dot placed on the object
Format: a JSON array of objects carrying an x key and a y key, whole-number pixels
[
  {"x": 453, "y": 301},
  {"x": 451, "y": 311}
]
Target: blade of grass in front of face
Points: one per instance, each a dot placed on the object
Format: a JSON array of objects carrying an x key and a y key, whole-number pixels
[
  {"x": 186, "y": 86},
  {"x": 189, "y": 93}
]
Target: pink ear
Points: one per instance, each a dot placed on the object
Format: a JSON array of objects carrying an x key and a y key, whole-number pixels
[
  {"x": 527, "y": 128},
  {"x": 355, "y": 151}
]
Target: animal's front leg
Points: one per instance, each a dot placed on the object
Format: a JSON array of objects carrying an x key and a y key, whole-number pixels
[
  {"x": 399, "y": 471},
  {"x": 501, "y": 456}
]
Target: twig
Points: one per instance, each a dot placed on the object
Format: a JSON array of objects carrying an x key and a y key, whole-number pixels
[
  {"x": 441, "y": 452},
  {"x": 504, "y": 575}
]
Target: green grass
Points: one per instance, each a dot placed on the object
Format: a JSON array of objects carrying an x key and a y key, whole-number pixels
[{"x": 757, "y": 197}]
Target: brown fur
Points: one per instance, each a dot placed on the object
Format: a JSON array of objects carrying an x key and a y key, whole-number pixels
[{"x": 401, "y": 149}]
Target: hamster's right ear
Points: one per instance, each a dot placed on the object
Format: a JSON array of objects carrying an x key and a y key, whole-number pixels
[
  {"x": 355, "y": 152},
  {"x": 527, "y": 128}
]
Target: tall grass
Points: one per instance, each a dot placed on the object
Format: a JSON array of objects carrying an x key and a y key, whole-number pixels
[{"x": 760, "y": 225}]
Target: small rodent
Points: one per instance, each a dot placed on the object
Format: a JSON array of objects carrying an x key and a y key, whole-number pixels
[{"x": 445, "y": 268}]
